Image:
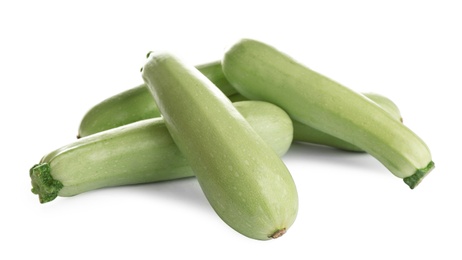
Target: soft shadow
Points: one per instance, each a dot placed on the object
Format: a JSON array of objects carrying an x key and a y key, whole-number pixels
[
  {"x": 307, "y": 152},
  {"x": 184, "y": 190}
]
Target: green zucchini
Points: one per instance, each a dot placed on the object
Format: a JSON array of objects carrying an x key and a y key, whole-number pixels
[
  {"x": 137, "y": 104},
  {"x": 386, "y": 104},
  {"x": 307, "y": 134},
  {"x": 139, "y": 152},
  {"x": 261, "y": 72},
  {"x": 245, "y": 181}
]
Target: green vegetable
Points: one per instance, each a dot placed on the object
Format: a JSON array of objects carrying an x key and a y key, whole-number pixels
[
  {"x": 244, "y": 180},
  {"x": 307, "y": 134},
  {"x": 139, "y": 152},
  {"x": 261, "y": 72},
  {"x": 137, "y": 104},
  {"x": 386, "y": 104}
]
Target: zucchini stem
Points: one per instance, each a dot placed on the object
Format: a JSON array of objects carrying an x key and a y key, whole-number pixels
[
  {"x": 43, "y": 183},
  {"x": 418, "y": 176},
  {"x": 278, "y": 233}
]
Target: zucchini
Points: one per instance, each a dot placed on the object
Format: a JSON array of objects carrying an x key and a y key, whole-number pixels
[
  {"x": 261, "y": 72},
  {"x": 137, "y": 104},
  {"x": 386, "y": 104},
  {"x": 307, "y": 134},
  {"x": 244, "y": 180},
  {"x": 139, "y": 152}
]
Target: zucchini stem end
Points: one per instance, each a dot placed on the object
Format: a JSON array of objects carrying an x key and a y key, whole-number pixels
[
  {"x": 414, "y": 180},
  {"x": 278, "y": 233},
  {"x": 43, "y": 183}
]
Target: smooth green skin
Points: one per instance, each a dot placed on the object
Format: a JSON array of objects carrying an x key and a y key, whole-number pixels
[
  {"x": 260, "y": 72},
  {"x": 307, "y": 134},
  {"x": 140, "y": 152},
  {"x": 137, "y": 104},
  {"x": 245, "y": 181},
  {"x": 386, "y": 104}
]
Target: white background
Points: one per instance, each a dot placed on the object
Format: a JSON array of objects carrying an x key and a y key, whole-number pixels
[{"x": 58, "y": 59}]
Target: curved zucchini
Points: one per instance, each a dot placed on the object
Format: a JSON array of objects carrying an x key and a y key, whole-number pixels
[
  {"x": 261, "y": 72},
  {"x": 307, "y": 134},
  {"x": 244, "y": 180},
  {"x": 137, "y": 104},
  {"x": 139, "y": 152}
]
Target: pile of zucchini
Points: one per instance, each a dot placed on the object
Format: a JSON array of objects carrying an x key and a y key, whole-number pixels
[{"x": 228, "y": 123}]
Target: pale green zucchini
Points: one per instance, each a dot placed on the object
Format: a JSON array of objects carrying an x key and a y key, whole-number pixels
[
  {"x": 245, "y": 181},
  {"x": 386, "y": 104},
  {"x": 139, "y": 152},
  {"x": 307, "y": 134},
  {"x": 261, "y": 72},
  {"x": 137, "y": 104}
]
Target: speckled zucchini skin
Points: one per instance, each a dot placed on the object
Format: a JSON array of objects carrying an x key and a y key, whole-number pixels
[
  {"x": 139, "y": 152},
  {"x": 245, "y": 181},
  {"x": 261, "y": 72},
  {"x": 137, "y": 104}
]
